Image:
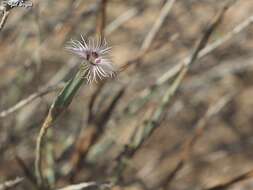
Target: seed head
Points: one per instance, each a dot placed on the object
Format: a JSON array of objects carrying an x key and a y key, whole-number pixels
[{"x": 96, "y": 61}]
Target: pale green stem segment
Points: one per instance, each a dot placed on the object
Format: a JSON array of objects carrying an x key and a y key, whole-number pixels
[{"x": 60, "y": 104}]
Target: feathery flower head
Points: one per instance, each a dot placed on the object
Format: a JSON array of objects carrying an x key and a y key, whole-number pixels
[{"x": 95, "y": 54}]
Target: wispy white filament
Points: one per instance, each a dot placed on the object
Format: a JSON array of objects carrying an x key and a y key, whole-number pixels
[{"x": 95, "y": 54}]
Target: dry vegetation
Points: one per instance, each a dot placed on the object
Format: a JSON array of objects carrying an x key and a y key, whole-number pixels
[{"x": 178, "y": 116}]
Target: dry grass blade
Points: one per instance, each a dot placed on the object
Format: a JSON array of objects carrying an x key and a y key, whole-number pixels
[
  {"x": 4, "y": 19},
  {"x": 150, "y": 36},
  {"x": 202, "y": 43},
  {"x": 233, "y": 181},
  {"x": 145, "y": 94},
  {"x": 137, "y": 140},
  {"x": 87, "y": 185},
  {"x": 10, "y": 184},
  {"x": 158, "y": 24},
  {"x": 133, "y": 131},
  {"x": 120, "y": 20},
  {"x": 201, "y": 125},
  {"x": 30, "y": 98},
  {"x": 239, "y": 28}
]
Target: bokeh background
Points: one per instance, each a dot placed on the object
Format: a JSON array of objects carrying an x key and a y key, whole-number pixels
[{"x": 33, "y": 57}]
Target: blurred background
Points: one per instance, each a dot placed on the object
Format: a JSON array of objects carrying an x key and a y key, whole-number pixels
[{"x": 85, "y": 142}]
